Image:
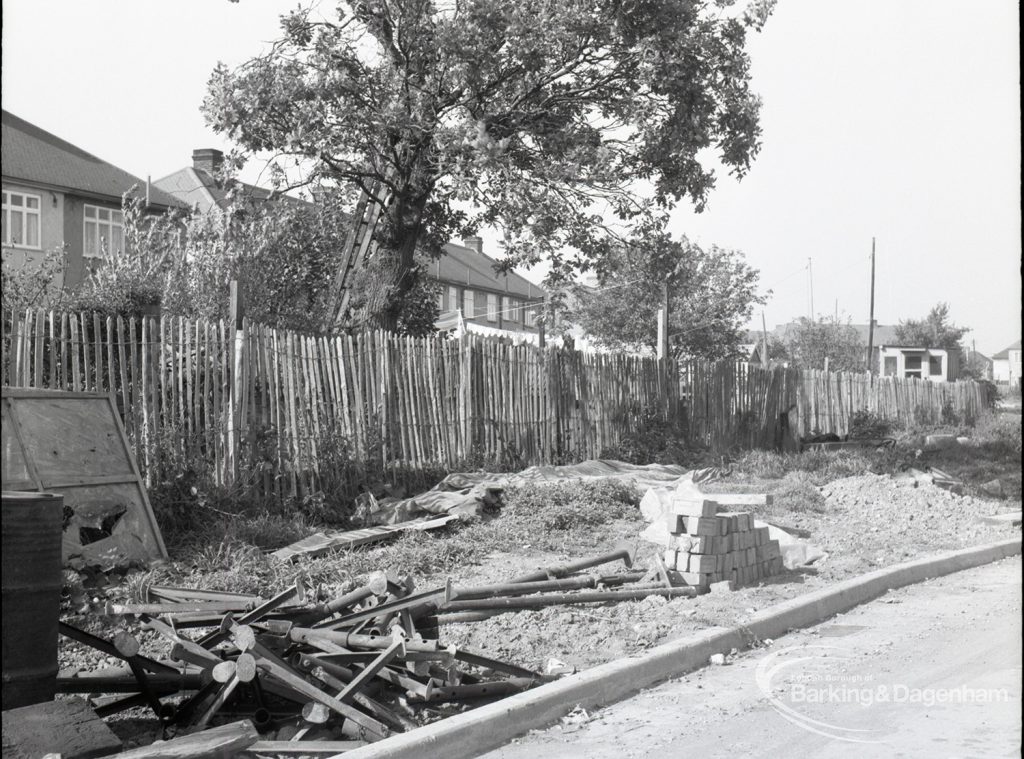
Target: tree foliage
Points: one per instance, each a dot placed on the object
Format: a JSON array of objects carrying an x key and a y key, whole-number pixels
[
  {"x": 711, "y": 295},
  {"x": 809, "y": 342},
  {"x": 935, "y": 330},
  {"x": 545, "y": 118},
  {"x": 35, "y": 284},
  {"x": 283, "y": 254}
]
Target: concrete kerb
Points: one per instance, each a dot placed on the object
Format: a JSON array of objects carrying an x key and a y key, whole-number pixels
[{"x": 473, "y": 732}]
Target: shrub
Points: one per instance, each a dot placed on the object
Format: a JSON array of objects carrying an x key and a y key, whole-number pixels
[
  {"x": 865, "y": 425},
  {"x": 655, "y": 441}
]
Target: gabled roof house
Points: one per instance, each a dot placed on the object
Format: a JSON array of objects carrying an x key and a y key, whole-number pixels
[{"x": 56, "y": 193}]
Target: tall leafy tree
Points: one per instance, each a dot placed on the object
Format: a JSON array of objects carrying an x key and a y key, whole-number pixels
[
  {"x": 712, "y": 293},
  {"x": 936, "y": 330},
  {"x": 554, "y": 120},
  {"x": 810, "y": 341}
]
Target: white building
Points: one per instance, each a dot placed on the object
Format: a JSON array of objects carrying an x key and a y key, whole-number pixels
[
  {"x": 933, "y": 364},
  {"x": 1006, "y": 365}
]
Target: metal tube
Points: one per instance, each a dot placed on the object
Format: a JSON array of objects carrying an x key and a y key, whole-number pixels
[
  {"x": 356, "y": 640},
  {"x": 525, "y": 588},
  {"x": 212, "y": 639},
  {"x": 557, "y": 599},
  {"x": 622, "y": 551},
  {"x": 378, "y": 585},
  {"x": 476, "y": 690}
]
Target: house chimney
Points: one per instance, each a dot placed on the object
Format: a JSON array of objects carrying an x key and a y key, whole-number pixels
[
  {"x": 476, "y": 243},
  {"x": 208, "y": 159}
]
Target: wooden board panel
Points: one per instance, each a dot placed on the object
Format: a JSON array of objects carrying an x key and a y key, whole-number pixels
[
  {"x": 16, "y": 475},
  {"x": 74, "y": 444},
  {"x": 69, "y": 435},
  {"x": 67, "y": 727}
]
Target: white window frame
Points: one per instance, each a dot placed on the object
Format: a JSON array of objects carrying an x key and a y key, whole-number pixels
[
  {"x": 468, "y": 304},
  {"x": 110, "y": 223},
  {"x": 492, "y": 307},
  {"x": 453, "y": 298},
  {"x": 530, "y": 316},
  {"x": 27, "y": 213}
]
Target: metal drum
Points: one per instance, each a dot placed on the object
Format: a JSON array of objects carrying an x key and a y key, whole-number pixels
[{"x": 31, "y": 559}]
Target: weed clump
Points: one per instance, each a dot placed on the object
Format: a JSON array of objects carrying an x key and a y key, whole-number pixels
[{"x": 571, "y": 505}]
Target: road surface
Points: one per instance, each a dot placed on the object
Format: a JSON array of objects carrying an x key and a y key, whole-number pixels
[{"x": 931, "y": 670}]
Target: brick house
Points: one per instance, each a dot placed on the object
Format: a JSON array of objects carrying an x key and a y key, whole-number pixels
[{"x": 55, "y": 193}]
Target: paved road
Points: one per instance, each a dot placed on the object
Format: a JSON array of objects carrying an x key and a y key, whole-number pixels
[{"x": 932, "y": 670}]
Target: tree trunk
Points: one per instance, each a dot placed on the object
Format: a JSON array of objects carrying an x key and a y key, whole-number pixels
[{"x": 394, "y": 275}]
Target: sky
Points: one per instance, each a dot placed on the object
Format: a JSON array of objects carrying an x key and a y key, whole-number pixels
[{"x": 897, "y": 120}]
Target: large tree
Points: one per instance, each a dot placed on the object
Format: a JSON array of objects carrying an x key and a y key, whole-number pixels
[
  {"x": 711, "y": 295},
  {"x": 809, "y": 342},
  {"x": 557, "y": 121},
  {"x": 935, "y": 330}
]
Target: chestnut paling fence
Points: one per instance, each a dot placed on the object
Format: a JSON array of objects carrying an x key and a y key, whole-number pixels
[{"x": 286, "y": 408}]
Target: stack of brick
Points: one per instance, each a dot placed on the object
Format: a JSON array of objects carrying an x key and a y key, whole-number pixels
[{"x": 707, "y": 546}]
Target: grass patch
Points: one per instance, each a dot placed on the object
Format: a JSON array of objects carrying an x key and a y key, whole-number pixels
[
  {"x": 819, "y": 466},
  {"x": 549, "y": 516}
]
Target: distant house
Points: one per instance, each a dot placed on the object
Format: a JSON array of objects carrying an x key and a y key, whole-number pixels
[
  {"x": 55, "y": 193},
  {"x": 199, "y": 186},
  {"x": 1006, "y": 365},
  {"x": 978, "y": 365},
  {"x": 934, "y": 364},
  {"x": 485, "y": 301}
]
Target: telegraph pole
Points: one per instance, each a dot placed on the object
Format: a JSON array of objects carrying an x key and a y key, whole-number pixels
[
  {"x": 764, "y": 344},
  {"x": 871, "y": 312},
  {"x": 810, "y": 284}
]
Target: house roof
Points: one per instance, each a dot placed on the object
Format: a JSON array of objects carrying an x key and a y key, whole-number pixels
[
  {"x": 1004, "y": 354},
  {"x": 195, "y": 186},
  {"x": 917, "y": 348},
  {"x": 883, "y": 335},
  {"x": 466, "y": 267},
  {"x": 33, "y": 155}
]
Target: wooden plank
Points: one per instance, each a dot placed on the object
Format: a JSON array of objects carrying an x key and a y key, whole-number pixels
[
  {"x": 37, "y": 373},
  {"x": 300, "y": 748},
  {"x": 87, "y": 363},
  {"x": 221, "y": 741},
  {"x": 322, "y": 542},
  {"x": 76, "y": 369},
  {"x": 67, "y": 727}
]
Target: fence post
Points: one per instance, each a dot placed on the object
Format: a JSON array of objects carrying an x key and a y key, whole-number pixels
[{"x": 238, "y": 383}]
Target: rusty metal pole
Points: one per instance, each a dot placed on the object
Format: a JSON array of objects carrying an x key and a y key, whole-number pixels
[
  {"x": 558, "y": 599},
  {"x": 623, "y": 551}
]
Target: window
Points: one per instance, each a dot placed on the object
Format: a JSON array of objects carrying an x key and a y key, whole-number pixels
[
  {"x": 21, "y": 219},
  {"x": 530, "y": 318},
  {"x": 453, "y": 297},
  {"x": 912, "y": 362},
  {"x": 890, "y": 367},
  {"x": 513, "y": 310},
  {"x": 935, "y": 366},
  {"x": 492, "y": 307},
  {"x": 506, "y": 307},
  {"x": 104, "y": 231},
  {"x": 467, "y": 304},
  {"x": 440, "y": 301}
]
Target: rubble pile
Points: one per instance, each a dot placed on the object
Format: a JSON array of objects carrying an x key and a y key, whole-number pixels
[{"x": 357, "y": 667}]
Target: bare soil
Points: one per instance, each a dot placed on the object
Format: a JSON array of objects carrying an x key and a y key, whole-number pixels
[{"x": 863, "y": 522}]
